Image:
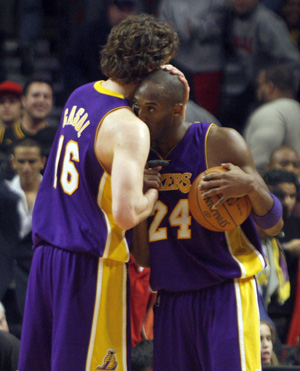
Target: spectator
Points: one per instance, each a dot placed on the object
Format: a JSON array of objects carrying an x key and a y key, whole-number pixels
[
  {"x": 9, "y": 226},
  {"x": 267, "y": 338},
  {"x": 28, "y": 163},
  {"x": 256, "y": 38},
  {"x": 273, "y": 281},
  {"x": 200, "y": 25},
  {"x": 37, "y": 101},
  {"x": 10, "y": 105},
  {"x": 293, "y": 356},
  {"x": 285, "y": 158},
  {"x": 290, "y": 12},
  {"x": 142, "y": 356},
  {"x": 9, "y": 351},
  {"x": 284, "y": 184},
  {"x": 81, "y": 62},
  {"x": 9, "y": 345},
  {"x": 276, "y": 122}
]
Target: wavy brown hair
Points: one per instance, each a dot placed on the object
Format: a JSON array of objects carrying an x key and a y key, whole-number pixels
[{"x": 137, "y": 45}]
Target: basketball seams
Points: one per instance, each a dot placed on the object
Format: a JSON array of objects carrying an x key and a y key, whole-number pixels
[
  {"x": 198, "y": 194},
  {"x": 228, "y": 213}
]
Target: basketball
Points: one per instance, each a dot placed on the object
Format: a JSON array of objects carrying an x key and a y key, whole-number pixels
[{"x": 226, "y": 217}]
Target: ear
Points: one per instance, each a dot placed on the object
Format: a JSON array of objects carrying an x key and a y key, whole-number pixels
[
  {"x": 12, "y": 161},
  {"x": 22, "y": 101},
  {"x": 44, "y": 160},
  {"x": 272, "y": 87},
  {"x": 178, "y": 109}
]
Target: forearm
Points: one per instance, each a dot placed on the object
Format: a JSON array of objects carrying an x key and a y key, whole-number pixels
[
  {"x": 130, "y": 211},
  {"x": 140, "y": 244}
]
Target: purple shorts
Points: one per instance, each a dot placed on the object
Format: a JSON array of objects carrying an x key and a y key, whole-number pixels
[
  {"x": 213, "y": 329},
  {"x": 76, "y": 314}
]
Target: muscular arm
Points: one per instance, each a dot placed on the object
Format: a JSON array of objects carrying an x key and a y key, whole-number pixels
[
  {"x": 122, "y": 146},
  {"x": 226, "y": 146}
]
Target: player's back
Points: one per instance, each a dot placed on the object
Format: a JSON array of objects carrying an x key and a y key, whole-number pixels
[{"x": 73, "y": 206}]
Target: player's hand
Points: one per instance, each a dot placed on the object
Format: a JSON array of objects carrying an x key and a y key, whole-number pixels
[
  {"x": 231, "y": 184},
  {"x": 152, "y": 178}
]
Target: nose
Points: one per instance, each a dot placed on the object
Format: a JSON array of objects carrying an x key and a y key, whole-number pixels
[
  {"x": 26, "y": 166},
  {"x": 290, "y": 167}
]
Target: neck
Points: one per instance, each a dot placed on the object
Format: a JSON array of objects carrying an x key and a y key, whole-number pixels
[
  {"x": 168, "y": 140},
  {"x": 33, "y": 126},
  {"x": 126, "y": 90},
  {"x": 31, "y": 187},
  {"x": 279, "y": 94}
]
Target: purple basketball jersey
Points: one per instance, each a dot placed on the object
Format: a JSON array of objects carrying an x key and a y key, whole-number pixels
[
  {"x": 183, "y": 254},
  {"x": 73, "y": 206}
]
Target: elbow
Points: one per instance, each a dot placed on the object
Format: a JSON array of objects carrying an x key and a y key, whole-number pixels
[{"x": 125, "y": 219}]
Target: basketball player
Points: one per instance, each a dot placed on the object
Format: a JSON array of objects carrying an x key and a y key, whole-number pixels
[
  {"x": 91, "y": 194},
  {"x": 206, "y": 313}
]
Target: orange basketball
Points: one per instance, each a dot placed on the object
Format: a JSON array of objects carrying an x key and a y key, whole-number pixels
[{"x": 226, "y": 217}]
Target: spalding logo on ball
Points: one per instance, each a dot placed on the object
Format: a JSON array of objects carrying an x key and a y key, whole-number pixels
[{"x": 226, "y": 217}]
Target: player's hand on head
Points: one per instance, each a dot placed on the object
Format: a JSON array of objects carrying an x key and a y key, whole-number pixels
[
  {"x": 230, "y": 184},
  {"x": 175, "y": 71}
]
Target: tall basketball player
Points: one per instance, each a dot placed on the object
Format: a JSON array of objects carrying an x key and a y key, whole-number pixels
[{"x": 92, "y": 193}]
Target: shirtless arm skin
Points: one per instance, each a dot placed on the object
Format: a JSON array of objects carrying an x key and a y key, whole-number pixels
[
  {"x": 228, "y": 148},
  {"x": 122, "y": 146}
]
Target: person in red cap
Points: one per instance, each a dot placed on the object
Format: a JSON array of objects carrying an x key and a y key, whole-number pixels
[
  {"x": 37, "y": 103},
  {"x": 10, "y": 104}
]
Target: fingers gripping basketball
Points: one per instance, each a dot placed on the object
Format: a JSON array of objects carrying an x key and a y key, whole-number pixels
[{"x": 226, "y": 217}]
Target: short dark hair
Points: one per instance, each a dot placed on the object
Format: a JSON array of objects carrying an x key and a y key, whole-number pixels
[
  {"x": 282, "y": 77},
  {"x": 137, "y": 45},
  {"x": 173, "y": 88},
  {"x": 277, "y": 176},
  {"x": 28, "y": 142},
  {"x": 36, "y": 79},
  {"x": 142, "y": 355}
]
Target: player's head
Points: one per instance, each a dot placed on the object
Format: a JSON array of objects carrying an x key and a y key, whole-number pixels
[
  {"x": 27, "y": 160},
  {"x": 267, "y": 337},
  {"x": 285, "y": 158},
  {"x": 284, "y": 185},
  {"x": 137, "y": 45},
  {"x": 158, "y": 101},
  {"x": 37, "y": 99},
  {"x": 10, "y": 103}
]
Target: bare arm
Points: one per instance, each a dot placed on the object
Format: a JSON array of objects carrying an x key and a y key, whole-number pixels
[
  {"x": 228, "y": 148},
  {"x": 122, "y": 146}
]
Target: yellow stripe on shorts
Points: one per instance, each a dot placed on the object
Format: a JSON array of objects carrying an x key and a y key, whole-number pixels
[
  {"x": 248, "y": 322},
  {"x": 108, "y": 342}
]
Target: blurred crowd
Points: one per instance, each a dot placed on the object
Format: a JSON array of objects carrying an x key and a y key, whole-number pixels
[{"x": 242, "y": 61}]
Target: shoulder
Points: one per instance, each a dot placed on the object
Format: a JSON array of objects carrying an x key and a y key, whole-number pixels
[
  {"x": 123, "y": 123},
  {"x": 226, "y": 145}
]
